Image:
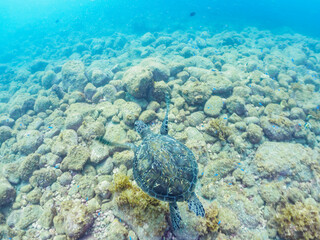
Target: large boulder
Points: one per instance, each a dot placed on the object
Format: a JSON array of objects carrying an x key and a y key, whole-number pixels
[
  {"x": 195, "y": 92},
  {"x": 73, "y": 76},
  {"x": 76, "y": 158},
  {"x": 42, "y": 104},
  {"x": 138, "y": 81},
  {"x": 28, "y": 166},
  {"x": 29, "y": 215},
  {"x": 28, "y": 141},
  {"x": 38, "y": 65},
  {"x": 43, "y": 177},
  {"x": 67, "y": 139},
  {"x": 159, "y": 70}
]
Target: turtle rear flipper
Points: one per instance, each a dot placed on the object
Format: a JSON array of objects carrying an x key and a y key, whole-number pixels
[
  {"x": 195, "y": 205},
  {"x": 175, "y": 215}
]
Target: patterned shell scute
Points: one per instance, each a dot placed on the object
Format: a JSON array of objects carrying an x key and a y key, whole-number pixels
[{"x": 165, "y": 168}]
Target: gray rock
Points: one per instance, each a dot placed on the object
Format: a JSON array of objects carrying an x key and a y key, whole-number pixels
[
  {"x": 213, "y": 106},
  {"x": 147, "y": 39},
  {"x": 5, "y": 134},
  {"x": 159, "y": 70},
  {"x": 99, "y": 152},
  {"x": 48, "y": 79},
  {"x": 38, "y": 65},
  {"x": 163, "y": 40},
  {"x": 175, "y": 68},
  {"x": 73, "y": 121},
  {"x": 73, "y": 219},
  {"x": 107, "y": 109},
  {"x": 43, "y": 177},
  {"x": 218, "y": 83},
  {"x": 42, "y": 104},
  {"x": 89, "y": 130},
  {"x": 255, "y": 133},
  {"x": 236, "y": 105},
  {"x": 34, "y": 196},
  {"x": 29, "y": 215},
  {"x": 89, "y": 90},
  {"x": 196, "y": 118},
  {"x": 115, "y": 133},
  {"x": 73, "y": 76},
  {"x": 273, "y": 71},
  {"x": 10, "y": 171},
  {"x": 130, "y": 112},
  {"x": 198, "y": 61},
  {"x": 105, "y": 167},
  {"x": 13, "y": 218},
  {"x": 297, "y": 113},
  {"x": 188, "y": 52},
  {"x": 76, "y": 158},
  {"x": 195, "y": 92},
  {"x": 66, "y": 139},
  {"x": 36, "y": 124},
  {"x": 138, "y": 81},
  {"x": 109, "y": 93},
  {"x": 280, "y": 159},
  {"x": 278, "y": 128},
  {"x": 65, "y": 179},
  {"x": 148, "y": 116},
  {"x": 15, "y": 112},
  {"x": 7, "y": 192},
  {"x": 28, "y": 166},
  {"x": 99, "y": 77},
  {"x": 6, "y": 121},
  {"x": 28, "y": 141}
]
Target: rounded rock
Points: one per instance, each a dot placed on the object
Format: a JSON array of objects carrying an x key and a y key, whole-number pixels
[
  {"x": 7, "y": 192},
  {"x": 5, "y": 133},
  {"x": 138, "y": 80},
  {"x": 213, "y": 106}
]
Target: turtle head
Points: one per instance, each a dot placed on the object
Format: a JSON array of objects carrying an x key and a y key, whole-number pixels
[{"x": 141, "y": 127}]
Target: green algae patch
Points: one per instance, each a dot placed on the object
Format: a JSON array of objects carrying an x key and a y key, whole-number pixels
[
  {"x": 142, "y": 208},
  {"x": 299, "y": 221}
]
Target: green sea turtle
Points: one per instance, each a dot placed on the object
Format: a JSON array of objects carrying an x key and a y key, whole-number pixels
[{"x": 166, "y": 169}]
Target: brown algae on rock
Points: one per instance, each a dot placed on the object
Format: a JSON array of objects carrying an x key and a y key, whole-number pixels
[
  {"x": 299, "y": 221},
  {"x": 217, "y": 128},
  {"x": 143, "y": 208},
  {"x": 210, "y": 223}
]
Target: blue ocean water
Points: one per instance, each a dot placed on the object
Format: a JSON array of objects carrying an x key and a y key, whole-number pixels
[
  {"x": 34, "y": 20},
  {"x": 234, "y": 83}
]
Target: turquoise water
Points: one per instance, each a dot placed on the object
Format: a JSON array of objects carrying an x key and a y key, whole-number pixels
[{"x": 228, "y": 89}]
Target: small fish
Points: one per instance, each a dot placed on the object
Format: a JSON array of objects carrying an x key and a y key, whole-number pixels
[
  {"x": 57, "y": 21},
  {"x": 192, "y": 14}
]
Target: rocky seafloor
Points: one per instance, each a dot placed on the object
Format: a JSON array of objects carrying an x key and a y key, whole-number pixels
[{"x": 246, "y": 103}]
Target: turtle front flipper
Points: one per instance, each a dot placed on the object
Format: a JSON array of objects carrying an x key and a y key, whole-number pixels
[
  {"x": 175, "y": 215},
  {"x": 195, "y": 205},
  {"x": 164, "y": 126}
]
